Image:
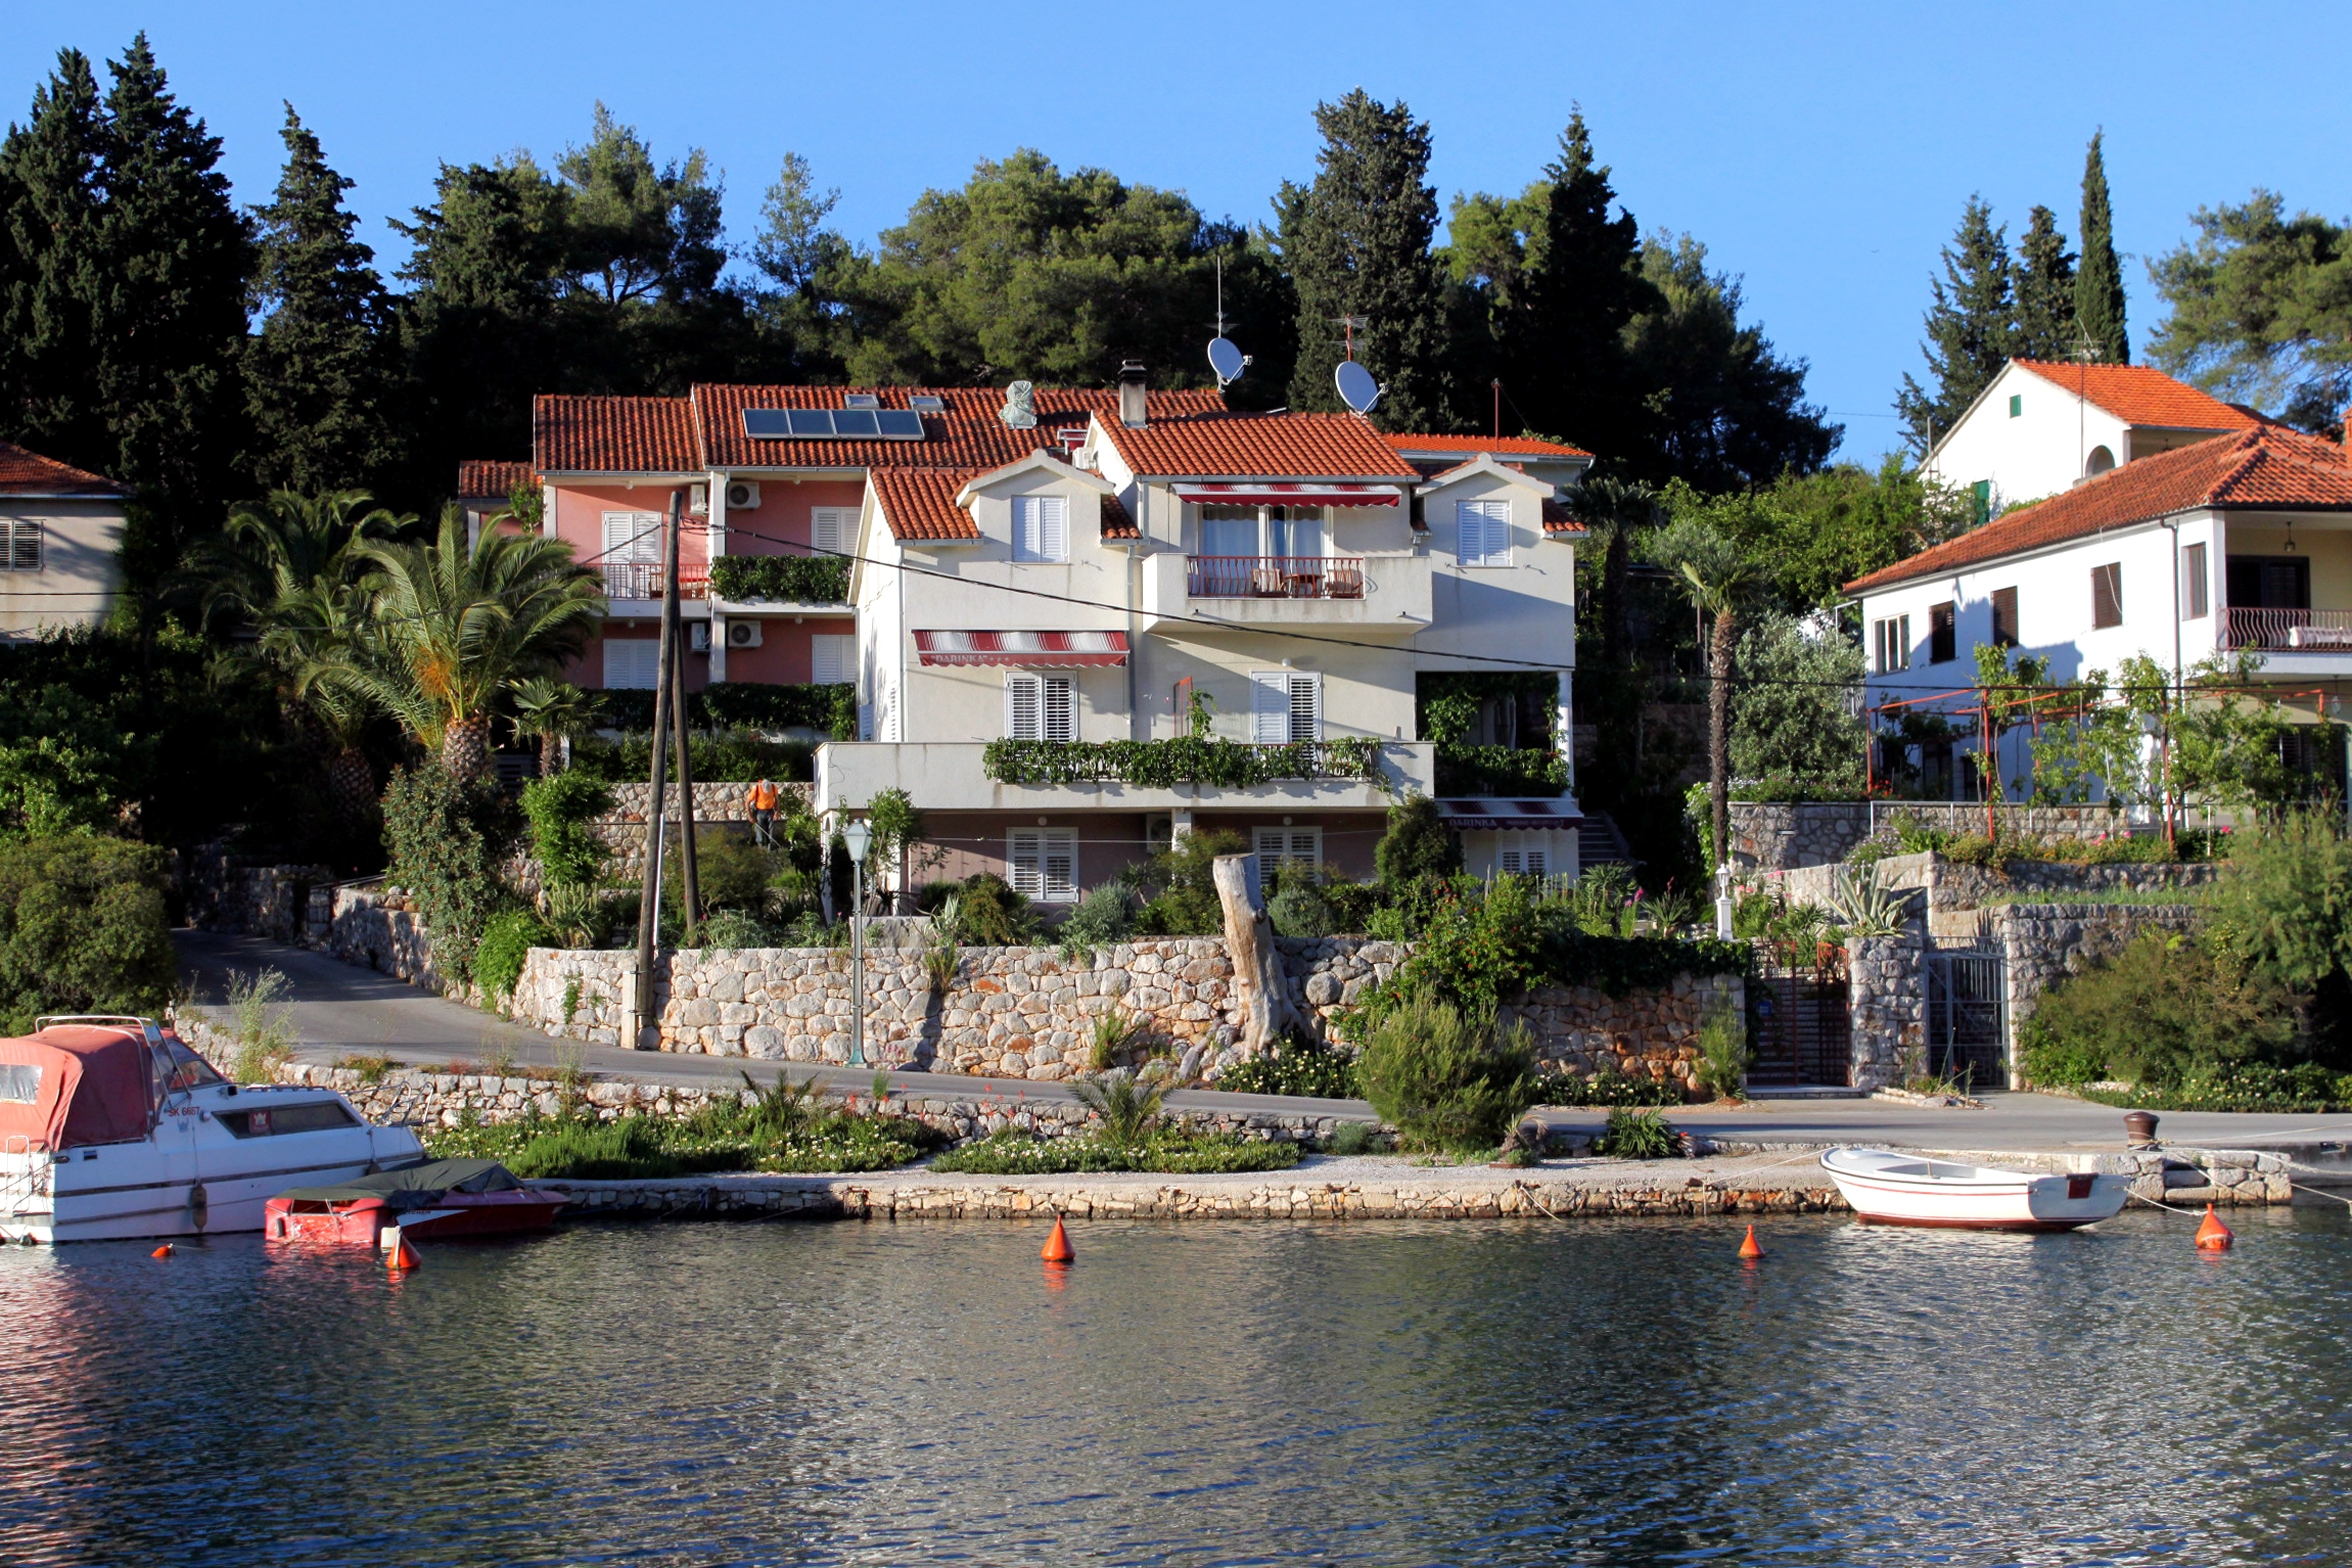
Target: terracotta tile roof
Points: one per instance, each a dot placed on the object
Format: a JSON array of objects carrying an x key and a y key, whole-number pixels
[
  {"x": 1558, "y": 519},
  {"x": 613, "y": 435},
  {"x": 2143, "y": 395},
  {"x": 1116, "y": 524},
  {"x": 484, "y": 478},
  {"x": 1259, "y": 446},
  {"x": 966, "y": 434},
  {"x": 1503, "y": 447},
  {"x": 2268, "y": 467},
  {"x": 29, "y": 473},
  {"x": 919, "y": 503}
]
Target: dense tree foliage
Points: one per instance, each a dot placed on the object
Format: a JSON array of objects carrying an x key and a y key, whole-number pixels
[
  {"x": 2098, "y": 284},
  {"x": 1971, "y": 326},
  {"x": 2261, "y": 309},
  {"x": 2045, "y": 291}
]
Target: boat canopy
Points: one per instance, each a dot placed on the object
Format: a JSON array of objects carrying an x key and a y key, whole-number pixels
[
  {"x": 414, "y": 1186},
  {"x": 74, "y": 1084}
]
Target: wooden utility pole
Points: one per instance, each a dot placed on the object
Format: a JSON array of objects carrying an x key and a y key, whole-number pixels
[
  {"x": 689, "y": 880},
  {"x": 643, "y": 1014}
]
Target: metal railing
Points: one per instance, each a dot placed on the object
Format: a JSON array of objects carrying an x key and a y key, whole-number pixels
[
  {"x": 646, "y": 580},
  {"x": 2302, "y": 631},
  {"x": 1274, "y": 577}
]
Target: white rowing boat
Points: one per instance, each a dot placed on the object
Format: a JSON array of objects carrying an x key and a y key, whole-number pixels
[{"x": 1912, "y": 1189}]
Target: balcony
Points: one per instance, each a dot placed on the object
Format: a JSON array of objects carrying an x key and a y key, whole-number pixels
[
  {"x": 955, "y": 776},
  {"x": 646, "y": 580},
  {"x": 1375, "y": 595},
  {"x": 2287, "y": 631}
]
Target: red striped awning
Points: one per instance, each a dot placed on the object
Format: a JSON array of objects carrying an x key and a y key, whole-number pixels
[
  {"x": 1263, "y": 494},
  {"x": 1032, "y": 650},
  {"x": 1481, "y": 813}
]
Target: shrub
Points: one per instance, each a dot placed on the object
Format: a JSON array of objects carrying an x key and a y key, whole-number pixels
[
  {"x": 789, "y": 579},
  {"x": 506, "y": 941},
  {"x": 732, "y": 870},
  {"x": 1351, "y": 1138},
  {"x": 1126, "y": 1108},
  {"x": 1447, "y": 1077},
  {"x": 736, "y": 928},
  {"x": 371, "y": 1068},
  {"x": 576, "y": 916},
  {"x": 732, "y": 757},
  {"x": 1725, "y": 1055},
  {"x": 83, "y": 928},
  {"x": 1183, "y": 879},
  {"x": 1637, "y": 1135},
  {"x": 2165, "y": 1010},
  {"x": 1606, "y": 1086},
  {"x": 1103, "y": 918},
  {"x": 559, "y": 809},
  {"x": 1298, "y": 908},
  {"x": 448, "y": 841},
  {"x": 1296, "y": 1067},
  {"x": 990, "y": 913},
  {"x": 1417, "y": 844},
  {"x": 2306, "y": 1089},
  {"x": 1016, "y": 1153},
  {"x": 260, "y": 1023},
  {"x": 754, "y": 705}
]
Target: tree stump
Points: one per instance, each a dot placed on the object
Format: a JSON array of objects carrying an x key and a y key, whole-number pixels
[{"x": 1267, "y": 1011}]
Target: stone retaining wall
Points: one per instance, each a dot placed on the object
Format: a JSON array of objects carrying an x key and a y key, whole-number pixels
[
  {"x": 1952, "y": 886},
  {"x": 1886, "y": 1007},
  {"x": 622, "y": 828},
  {"x": 2044, "y": 943},
  {"x": 228, "y": 892},
  {"x": 1778, "y": 836}
]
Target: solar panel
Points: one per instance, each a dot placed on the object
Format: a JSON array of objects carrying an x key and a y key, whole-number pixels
[
  {"x": 831, "y": 424},
  {"x": 860, "y": 400}
]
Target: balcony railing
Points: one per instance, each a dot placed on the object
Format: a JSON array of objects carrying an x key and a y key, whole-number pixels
[
  {"x": 2296, "y": 631},
  {"x": 1275, "y": 577},
  {"x": 646, "y": 580}
]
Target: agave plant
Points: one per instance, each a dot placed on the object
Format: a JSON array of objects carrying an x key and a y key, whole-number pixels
[{"x": 1863, "y": 904}]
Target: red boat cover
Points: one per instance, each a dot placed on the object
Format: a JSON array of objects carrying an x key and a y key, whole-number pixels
[{"x": 86, "y": 1084}]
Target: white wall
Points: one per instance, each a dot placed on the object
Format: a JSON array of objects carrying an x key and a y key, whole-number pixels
[
  {"x": 2037, "y": 453},
  {"x": 80, "y": 570}
]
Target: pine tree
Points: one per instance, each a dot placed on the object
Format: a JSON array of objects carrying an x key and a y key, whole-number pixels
[
  {"x": 317, "y": 374},
  {"x": 1565, "y": 346},
  {"x": 1969, "y": 327},
  {"x": 2045, "y": 291},
  {"x": 2098, "y": 286},
  {"x": 1357, "y": 243},
  {"x": 50, "y": 211}
]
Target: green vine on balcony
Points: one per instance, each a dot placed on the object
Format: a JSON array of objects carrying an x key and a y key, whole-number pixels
[
  {"x": 1189, "y": 759},
  {"x": 1500, "y": 770},
  {"x": 784, "y": 579}
]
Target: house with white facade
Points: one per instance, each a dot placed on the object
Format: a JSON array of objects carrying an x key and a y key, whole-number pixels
[
  {"x": 2235, "y": 544},
  {"x": 1038, "y": 593},
  {"x": 2041, "y": 427},
  {"x": 61, "y": 534}
]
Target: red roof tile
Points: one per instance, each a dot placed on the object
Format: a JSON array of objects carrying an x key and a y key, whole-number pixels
[
  {"x": 1259, "y": 446},
  {"x": 2268, "y": 467},
  {"x": 1558, "y": 519},
  {"x": 2143, "y": 395},
  {"x": 613, "y": 435},
  {"x": 919, "y": 503},
  {"x": 1116, "y": 524},
  {"x": 483, "y": 478},
  {"x": 1503, "y": 447},
  {"x": 29, "y": 473},
  {"x": 966, "y": 434}
]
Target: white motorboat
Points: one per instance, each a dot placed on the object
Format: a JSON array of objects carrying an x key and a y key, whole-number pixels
[
  {"x": 113, "y": 1128},
  {"x": 1912, "y": 1189}
]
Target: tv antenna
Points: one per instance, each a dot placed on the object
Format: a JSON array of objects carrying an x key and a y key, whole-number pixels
[{"x": 1225, "y": 359}]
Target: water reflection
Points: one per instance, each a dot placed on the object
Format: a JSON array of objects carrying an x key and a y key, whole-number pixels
[{"x": 1596, "y": 1392}]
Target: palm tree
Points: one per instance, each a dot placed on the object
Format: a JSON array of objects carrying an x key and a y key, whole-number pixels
[
  {"x": 1715, "y": 575},
  {"x": 554, "y": 711},
  {"x": 458, "y": 625},
  {"x": 290, "y": 542},
  {"x": 322, "y": 640},
  {"x": 1616, "y": 509}
]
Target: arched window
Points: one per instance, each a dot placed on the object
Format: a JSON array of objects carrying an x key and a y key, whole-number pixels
[{"x": 2098, "y": 462}]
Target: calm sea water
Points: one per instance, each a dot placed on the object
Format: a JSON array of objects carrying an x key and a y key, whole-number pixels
[{"x": 1589, "y": 1392}]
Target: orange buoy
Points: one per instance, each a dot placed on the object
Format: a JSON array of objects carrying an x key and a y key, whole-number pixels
[
  {"x": 1749, "y": 1248},
  {"x": 404, "y": 1256},
  {"x": 1057, "y": 1245},
  {"x": 163, "y": 1251},
  {"x": 2213, "y": 1235}
]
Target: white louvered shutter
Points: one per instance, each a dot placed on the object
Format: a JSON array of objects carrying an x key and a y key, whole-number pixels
[
  {"x": 1538, "y": 863},
  {"x": 1306, "y": 707},
  {"x": 829, "y": 528},
  {"x": 23, "y": 545},
  {"x": 1024, "y": 862},
  {"x": 1060, "y": 866},
  {"x": 1042, "y": 864},
  {"x": 1041, "y": 528},
  {"x": 1270, "y": 707},
  {"x": 632, "y": 536},
  {"x": 1483, "y": 533},
  {"x": 830, "y": 658},
  {"x": 1058, "y": 708},
  {"x": 631, "y": 663},
  {"x": 1276, "y": 845},
  {"x": 1024, "y": 704}
]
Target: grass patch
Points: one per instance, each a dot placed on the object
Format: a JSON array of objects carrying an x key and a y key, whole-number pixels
[
  {"x": 371, "y": 1069},
  {"x": 1638, "y": 1135},
  {"x": 2144, "y": 897},
  {"x": 2306, "y": 1089},
  {"x": 1015, "y": 1153}
]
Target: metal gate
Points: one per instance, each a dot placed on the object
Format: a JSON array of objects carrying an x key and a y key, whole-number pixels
[
  {"x": 1798, "y": 1026},
  {"x": 1967, "y": 1017}
]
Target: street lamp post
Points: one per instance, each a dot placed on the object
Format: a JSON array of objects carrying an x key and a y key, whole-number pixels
[{"x": 857, "y": 837}]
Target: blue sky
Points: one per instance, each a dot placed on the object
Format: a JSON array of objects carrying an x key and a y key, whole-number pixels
[{"x": 1823, "y": 153}]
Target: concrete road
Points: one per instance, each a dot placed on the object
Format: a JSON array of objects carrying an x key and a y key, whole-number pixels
[{"x": 341, "y": 1010}]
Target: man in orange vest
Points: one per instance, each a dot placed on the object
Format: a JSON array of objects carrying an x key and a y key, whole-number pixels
[{"x": 762, "y": 801}]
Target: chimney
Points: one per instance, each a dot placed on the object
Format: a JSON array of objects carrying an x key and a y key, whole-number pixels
[{"x": 1131, "y": 400}]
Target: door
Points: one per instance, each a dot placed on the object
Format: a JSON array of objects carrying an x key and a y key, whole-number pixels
[
  {"x": 1797, "y": 1022},
  {"x": 1967, "y": 1011}
]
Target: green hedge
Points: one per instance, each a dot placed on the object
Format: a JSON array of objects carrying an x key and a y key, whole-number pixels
[
  {"x": 1499, "y": 770},
  {"x": 1162, "y": 764},
  {"x": 788, "y": 579},
  {"x": 754, "y": 705},
  {"x": 716, "y": 758}
]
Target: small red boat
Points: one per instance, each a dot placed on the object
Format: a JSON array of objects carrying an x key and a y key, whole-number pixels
[{"x": 435, "y": 1201}]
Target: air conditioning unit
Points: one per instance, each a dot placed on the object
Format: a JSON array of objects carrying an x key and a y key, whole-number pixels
[
  {"x": 1159, "y": 831},
  {"x": 742, "y": 495},
  {"x": 698, "y": 636},
  {"x": 698, "y": 500},
  {"x": 743, "y": 634}
]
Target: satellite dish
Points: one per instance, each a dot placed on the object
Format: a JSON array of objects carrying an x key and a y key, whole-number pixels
[
  {"x": 1227, "y": 361},
  {"x": 1357, "y": 389}
]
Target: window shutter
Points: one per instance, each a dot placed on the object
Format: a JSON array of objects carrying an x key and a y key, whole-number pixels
[
  {"x": 2107, "y": 595},
  {"x": 1060, "y": 866},
  {"x": 829, "y": 529},
  {"x": 1306, "y": 707},
  {"x": 1024, "y": 863},
  {"x": 1270, "y": 707},
  {"x": 2196, "y": 601},
  {"x": 1272, "y": 842},
  {"x": 1058, "y": 708},
  {"x": 830, "y": 656},
  {"x": 1538, "y": 863},
  {"x": 632, "y": 536},
  {"x": 2004, "y": 617},
  {"x": 1484, "y": 533},
  {"x": 1053, "y": 526},
  {"x": 1508, "y": 862},
  {"x": 631, "y": 663},
  {"x": 24, "y": 545},
  {"x": 1023, "y": 721}
]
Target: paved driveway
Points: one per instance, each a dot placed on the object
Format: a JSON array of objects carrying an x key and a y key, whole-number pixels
[{"x": 340, "y": 1009}]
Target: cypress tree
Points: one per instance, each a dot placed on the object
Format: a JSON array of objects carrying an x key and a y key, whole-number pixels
[
  {"x": 50, "y": 210},
  {"x": 2045, "y": 291},
  {"x": 316, "y": 373},
  {"x": 1970, "y": 325},
  {"x": 1565, "y": 349},
  {"x": 1357, "y": 243},
  {"x": 2098, "y": 286}
]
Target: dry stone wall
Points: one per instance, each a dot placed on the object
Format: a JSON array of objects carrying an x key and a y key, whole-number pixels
[
  {"x": 2044, "y": 943},
  {"x": 1780, "y": 836},
  {"x": 1886, "y": 1007}
]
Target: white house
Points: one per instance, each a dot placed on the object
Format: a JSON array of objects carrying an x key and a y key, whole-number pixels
[
  {"x": 60, "y": 541},
  {"x": 2238, "y": 542},
  {"x": 2042, "y": 427}
]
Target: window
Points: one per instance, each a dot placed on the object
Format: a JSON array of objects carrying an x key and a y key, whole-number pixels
[
  {"x": 1285, "y": 706},
  {"x": 2098, "y": 462},
  {"x": 1295, "y": 531},
  {"x": 632, "y": 537},
  {"x": 1276, "y": 845},
  {"x": 20, "y": 1082},
  {"x": 631, "y": 663},
  {"x": 278, "y": 1120},
  {"x": 1482, "y": 533},
  {"x": 1893, "y": 639},
  {"x": 1229, "y": 532},
  {"x": 2196, "y": 584},
  {"x": 2016, "y": 404},
  {"x": 832, "y": 659},
  {"x": 2004, "y": 617},
  {"x": 1980, "y": 502},
  {"x": 831, "y": 528},
  {"x": 2107, "y": 594},
  {"x": 1041, "y": 528},
  {"x": 1043, "y": 863},
  {"x": 1523, "y": 854},
  {"x": 1041, "y": 707},
  {"x": 1943, "y": 632},
  {"x": 20, "y": 545}
]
